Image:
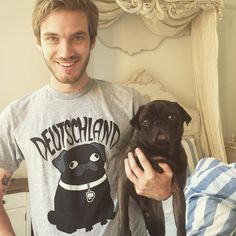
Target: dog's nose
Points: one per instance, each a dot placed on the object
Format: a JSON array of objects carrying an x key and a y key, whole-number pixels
[{"x": 162, "y": 138}]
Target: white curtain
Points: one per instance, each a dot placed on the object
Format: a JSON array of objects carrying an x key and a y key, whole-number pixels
[
  {"x": 205, "y": 66},
  {"x": 167, "y": 18},
  {"x": 170, "y": 18}
]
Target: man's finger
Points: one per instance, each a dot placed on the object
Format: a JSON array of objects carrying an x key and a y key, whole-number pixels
[
  {"x": 166, "y": 168},
  {"x": 134, "y": 166},
  {"x": 129, "y": 173},
  {"x": 143, "y": 160}
]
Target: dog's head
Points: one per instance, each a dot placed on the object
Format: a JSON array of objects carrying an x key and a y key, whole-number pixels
[
  {"x": 81, "y": 164},
  {"x": 160, "y": 123}
]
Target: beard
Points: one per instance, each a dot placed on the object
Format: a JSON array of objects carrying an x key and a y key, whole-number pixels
[{"x": 69, "y": 79}]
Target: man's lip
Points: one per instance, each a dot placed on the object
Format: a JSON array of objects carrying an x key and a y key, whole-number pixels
[{"x": 67, "y": 64}]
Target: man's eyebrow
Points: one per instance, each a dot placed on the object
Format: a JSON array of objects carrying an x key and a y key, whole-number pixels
[
  {"x": 72, "y": 35},
  {"x": 49, "y": 34},
  {"x": 79, "y": 33}
]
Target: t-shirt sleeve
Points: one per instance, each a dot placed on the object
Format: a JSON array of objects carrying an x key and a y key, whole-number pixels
[{"x": 10, "y": 154}]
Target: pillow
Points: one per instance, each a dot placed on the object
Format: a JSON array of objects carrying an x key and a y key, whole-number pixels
[
  {"x": 211, "y": 199},
  {"x": 190, "y": 149},
  {"x": 189, "y": 146}
]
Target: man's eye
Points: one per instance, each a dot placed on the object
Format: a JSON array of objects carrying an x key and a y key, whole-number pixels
[
  {"x": 146, "y": 123},
  {"x": 52, "y": 39},
  {"x": 78, "y": 38}
]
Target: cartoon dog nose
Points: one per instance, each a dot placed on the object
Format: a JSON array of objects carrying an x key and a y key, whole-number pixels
[{"x": 84, "y": 167}]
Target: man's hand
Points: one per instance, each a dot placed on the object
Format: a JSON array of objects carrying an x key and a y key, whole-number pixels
[{"x": 148, "y": 182}]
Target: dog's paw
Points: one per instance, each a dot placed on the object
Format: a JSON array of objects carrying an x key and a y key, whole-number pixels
[
  {"x": 52, "y": 217},
  {"x": 67, "y": 229},
  {"x": 89, "y": 228},
  {"x": 103, "y": 222}
]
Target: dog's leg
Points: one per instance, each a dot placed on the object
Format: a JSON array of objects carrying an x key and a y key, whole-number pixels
[
  {"x": 123, "y": 213},
  {"x": 179, "y": 206},
  {"x": 154, "y": 217}
]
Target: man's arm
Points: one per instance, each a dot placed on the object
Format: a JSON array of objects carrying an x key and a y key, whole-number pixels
[
  {"x": 5, "y": 224},
  {"x": 148, "y": 182}
]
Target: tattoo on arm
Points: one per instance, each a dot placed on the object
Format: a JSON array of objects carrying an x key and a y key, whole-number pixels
[{"x": 5, "y": 182}]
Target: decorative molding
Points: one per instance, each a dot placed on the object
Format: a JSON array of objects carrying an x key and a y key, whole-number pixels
[
  {"x": 143, "y": 78},
  {"x": 163, "y": 18},
  {"x": 132, "y": 50},
  {"x": 137, "y": 6},
  {"x": 130, "y": 35},
  {"x": 156, "y": 10}
]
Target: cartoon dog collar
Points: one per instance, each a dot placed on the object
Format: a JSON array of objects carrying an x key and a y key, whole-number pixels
[
  {"x": 90, "y": 195},
  {"x": 82, "y": 186}
]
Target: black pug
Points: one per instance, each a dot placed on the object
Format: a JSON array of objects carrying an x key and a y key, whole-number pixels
[
  {"x": 158, "y": 130},
  {"x": 82, "y": 197}
]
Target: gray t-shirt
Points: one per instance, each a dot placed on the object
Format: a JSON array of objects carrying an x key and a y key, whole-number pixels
[{"x": 71, "y": 144}]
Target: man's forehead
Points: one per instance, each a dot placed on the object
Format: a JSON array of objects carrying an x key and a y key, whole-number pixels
[{"x": 65, "y": 21}]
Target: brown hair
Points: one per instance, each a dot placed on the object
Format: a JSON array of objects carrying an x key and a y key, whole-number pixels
[{"x": 43, "y": 8}]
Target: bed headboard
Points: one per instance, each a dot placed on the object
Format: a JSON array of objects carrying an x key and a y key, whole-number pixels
[{"x": 148, "y": 86}]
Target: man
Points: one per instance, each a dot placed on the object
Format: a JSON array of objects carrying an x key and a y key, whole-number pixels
[{"x": 71, "y": 134}]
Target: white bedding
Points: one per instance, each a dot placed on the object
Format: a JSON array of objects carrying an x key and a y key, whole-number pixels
[
  {"x": 210, "y": 201},
  {"x": 169, "y": 217}
]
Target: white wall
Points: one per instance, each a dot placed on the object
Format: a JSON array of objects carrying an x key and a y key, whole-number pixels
[
  {"x": 23, "y": 70},
  {"x": 170, "y": 63}
]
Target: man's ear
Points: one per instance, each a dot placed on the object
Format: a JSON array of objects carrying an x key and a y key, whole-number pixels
[
  {"x": 38, "y": 43},
  {"x": 93, "y": 42}
]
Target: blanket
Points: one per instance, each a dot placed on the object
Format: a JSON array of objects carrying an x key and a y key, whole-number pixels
[{"x": 211, "y": 199}]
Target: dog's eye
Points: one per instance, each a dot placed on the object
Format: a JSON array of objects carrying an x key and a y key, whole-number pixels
[
  {"x": 146, "y": 123},
  {"x": 73, "y": 165},
  {"x": 171, "y": 117},
  {"x": 94, "y": 157}
]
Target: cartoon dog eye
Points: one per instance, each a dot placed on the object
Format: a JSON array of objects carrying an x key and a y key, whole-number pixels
[
  {"x": 94, "y": 157},
  {"x": 171, "y": 117},
  {"x": 146, "y": 123},
  {"x": 73, "y": 165}
]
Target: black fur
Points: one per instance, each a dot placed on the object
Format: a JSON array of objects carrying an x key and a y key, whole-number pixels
[
  {"x": 158, "y": 130},
  {"x": 81, "y": 208}
]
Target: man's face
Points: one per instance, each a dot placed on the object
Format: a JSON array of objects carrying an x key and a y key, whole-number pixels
[{"x": 66, "y": 45}]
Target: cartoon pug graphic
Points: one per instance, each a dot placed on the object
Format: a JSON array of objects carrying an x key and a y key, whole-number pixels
[{"x": 82, "y": 197}]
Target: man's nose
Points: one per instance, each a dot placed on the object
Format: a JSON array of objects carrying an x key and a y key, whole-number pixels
[{"x": 65, "y": 49}]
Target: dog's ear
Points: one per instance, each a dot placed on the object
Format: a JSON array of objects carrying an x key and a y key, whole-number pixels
[
  {"x": 59, "y": 162},
  {"x": 186, "y": 117},
  {"x": 135, "y": 120}
]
